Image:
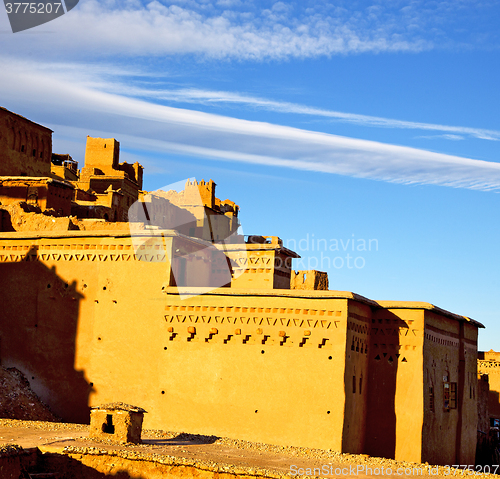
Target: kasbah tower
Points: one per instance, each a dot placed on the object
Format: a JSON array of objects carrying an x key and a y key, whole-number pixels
[{"x": 111, "y": 293}]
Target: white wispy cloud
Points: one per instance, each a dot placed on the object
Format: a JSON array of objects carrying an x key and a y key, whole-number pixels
[
  {"x": 249, "y": 30},
  {"x": 139, "y": 123},
  {"x": 198, "y": 96},
  {"x": 115, "y": 79},
  {"x": 450, "y": 136},
  {"x": 226, "y": 29}
]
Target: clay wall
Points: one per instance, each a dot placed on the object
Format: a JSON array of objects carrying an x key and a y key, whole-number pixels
[
  {"x": 310, "y": 368},
  {"x": 42, "y": 192},
  {"x": 116, "y": 425},
  {"x": 356, "y": 377},
  {"x": 25, "y": 146},
  {"x": 310, "y": 279},
  {"x": 216, "y": 219},
  {"x": 63, "y": 173},
  {"x": 97, "y": 339},
  {"x": 157, "y": 211},
  {"x": 450, "y": 409},
  {"x": 195, "y": 191},
  {"x": 105, "y": 176},
  {"x": 224, "y": 368},
  {"x": 260, "y": 266},
  {"x": 71, "y": 282},
  {"x": 489, "y": 363},
  {"x": 103, "y": 154},
  {"x": 395, "y": 409}
]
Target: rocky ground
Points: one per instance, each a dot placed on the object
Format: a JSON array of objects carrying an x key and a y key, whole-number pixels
[
  {"x": 29, "y": 423},
  {"x": 18, "y": 401},
  {"x": 217, "y": 455}
]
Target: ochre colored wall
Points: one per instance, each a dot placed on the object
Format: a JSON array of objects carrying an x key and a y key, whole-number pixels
[
  {"x": 97, "y": 322},
  {"x": 115, "y": 334},
  {"x": 489, "y": 363},
  {"x": 102, "y": 153},
  {"x": 238, "y": 377},
  {"x": 254, "y": 268},
  {"x": 56, "y": 300}
]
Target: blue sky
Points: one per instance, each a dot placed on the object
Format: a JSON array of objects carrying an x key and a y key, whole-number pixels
[{"x": 339, "y": 121}]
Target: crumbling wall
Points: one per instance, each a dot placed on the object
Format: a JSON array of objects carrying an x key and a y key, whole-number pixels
[
  {"x": 312, "y": 279},
  {"x": 23, "y": 217},
  {"x": 116, "y": 425}
]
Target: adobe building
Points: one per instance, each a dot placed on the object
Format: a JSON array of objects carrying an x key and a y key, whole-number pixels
[
  {"x": 63, "y": 167},
  {"x": 25, "y": 146},
  {"x": 488, "y": 363},
  {"x": 213, "y": 219},
  {"x": 117, "y": 422},
  {"x": 382, "y": 378},
  {"x": 218, "y": 338},
  {"x": 43, "y": 192},
  {"x": 115, "y": 184}
]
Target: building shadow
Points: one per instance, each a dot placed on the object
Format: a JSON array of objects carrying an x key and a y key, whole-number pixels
[
  {"x": 38, "y": 327},
  {"x": 384, "y": 358},
  {"x": 65, "y": 466},
  {"x": 183, "y": 439}
]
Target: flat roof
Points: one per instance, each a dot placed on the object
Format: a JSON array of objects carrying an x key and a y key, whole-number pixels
[
  {"x": 77, "y": 234},
  {"x": 46, "y": 179},
  {"x": 294, "y": 293},
  {"x": 321, "y": 294},
  {"x": 256, "y": 247}
]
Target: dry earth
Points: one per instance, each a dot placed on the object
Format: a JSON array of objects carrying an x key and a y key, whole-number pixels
[{"x": 18, "y": 401}]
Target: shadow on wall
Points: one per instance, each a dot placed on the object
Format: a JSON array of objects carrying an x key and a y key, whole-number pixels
[
  {"x": 494, "y": 404},
  {"x": 383, "y": 359},
  {"x": 38, "y": 327}
]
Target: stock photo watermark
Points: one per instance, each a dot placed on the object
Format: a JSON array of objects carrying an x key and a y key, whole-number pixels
[
  {"x": 201, "y": 238},
  {"x": 26, "y": 15},
  {"x": 337, "y": 253},
  {"x": 330, "y": 470}
]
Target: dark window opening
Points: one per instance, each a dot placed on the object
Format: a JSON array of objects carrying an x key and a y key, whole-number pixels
[
  {"x": 22, "y": 148},
  {"x": 108, "y": 426},
  {"x": 360, "y": 385},
  {"x": 431, "y": 398},
  {"x": 354, "y": 384},
  {"x": 34, "y": 152}
]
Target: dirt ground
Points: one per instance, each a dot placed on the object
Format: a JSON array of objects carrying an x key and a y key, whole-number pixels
[
  {"x": 18, "y": 401},
  {"x": 212, "y": 453}
]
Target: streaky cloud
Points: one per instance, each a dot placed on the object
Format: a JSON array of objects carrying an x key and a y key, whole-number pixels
[
  {"x": 165, "y": 129},
  {"x": 191, "y": 95}
]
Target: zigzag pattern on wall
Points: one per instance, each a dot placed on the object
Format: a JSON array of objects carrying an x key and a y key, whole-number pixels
[
  {"x": 299, "y": 323},
  {"x": 243, "y": 309},
  {"x": 81, "y": 257}
]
